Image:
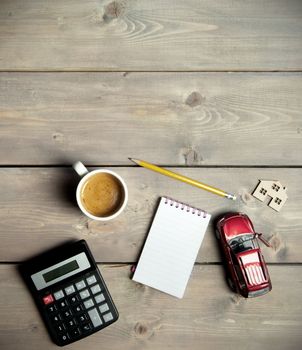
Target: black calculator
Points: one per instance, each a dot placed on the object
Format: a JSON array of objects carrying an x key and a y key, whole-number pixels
[{"x": 70, "y": 292}]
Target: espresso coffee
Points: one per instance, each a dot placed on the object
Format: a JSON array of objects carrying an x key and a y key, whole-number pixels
[{"x": 102, "y": 194}]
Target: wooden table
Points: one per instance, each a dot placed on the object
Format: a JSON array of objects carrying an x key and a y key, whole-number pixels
[{"x": 211, "y": 89}]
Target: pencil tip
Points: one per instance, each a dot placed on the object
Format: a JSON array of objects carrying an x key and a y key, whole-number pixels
[
  {"x": 133, "y": 160},
  {"x": 231, "y": 196}
]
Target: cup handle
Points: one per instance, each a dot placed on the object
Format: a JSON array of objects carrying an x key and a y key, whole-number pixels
[{"x": 80, "y": 168}]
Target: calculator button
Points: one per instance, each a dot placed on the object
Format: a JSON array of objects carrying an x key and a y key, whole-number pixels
[
  {"x": 75, "y": 332},
  {"x": 80, "y": 285},
  {"x": 88, "y": 303},
  {"x": 83, "y": 318},
  {"x": 99, "y": 298},
  {"x": 59, "y": 295},
  {"x": 95, "y": 289},
  {"x": 48, "y": 299},
  {"x": 69, "y": 290},
  {"x": 90, "y": 280},
  {"x": 103, "y": 308},
  {"x": 60, "y": 327},
  {"x": 64, "y": 337},
  {"x": 86, "y": 327},
  {"x": 73, "y": 300},
  {"x": 67, "y": 313},
  {"x": 84, "y": 294},
  {"x": 63, "y": 304},
  {"x": 95, "y": 317},
  {"x": 71, "y": 323},
  {"x": 108, "y": 317},
  {"x": 52, "y": 309},
  {"x": 78, "y": 308},
  {"x": 56, "y": 318}
]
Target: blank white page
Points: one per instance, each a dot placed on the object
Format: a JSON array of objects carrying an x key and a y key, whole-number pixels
[{"x": 171, "y": 248}]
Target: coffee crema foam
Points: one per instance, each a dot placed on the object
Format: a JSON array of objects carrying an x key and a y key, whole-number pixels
[{"x": 102, "y": 194}]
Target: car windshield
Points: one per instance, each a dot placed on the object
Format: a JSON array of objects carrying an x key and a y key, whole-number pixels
[{"x": 242, "y": 243}]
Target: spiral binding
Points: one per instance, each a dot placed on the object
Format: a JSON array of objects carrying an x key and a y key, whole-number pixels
[{"x": 185, "y": 207}]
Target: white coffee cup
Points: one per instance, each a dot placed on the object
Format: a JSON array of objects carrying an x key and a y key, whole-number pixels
[{"x": 83, "y": 172}]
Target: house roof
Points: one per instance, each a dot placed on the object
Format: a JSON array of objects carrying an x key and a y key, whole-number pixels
[{"x": 272, "y": 181}]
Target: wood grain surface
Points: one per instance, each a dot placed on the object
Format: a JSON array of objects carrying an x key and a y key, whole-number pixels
[
  {"x": 209, "y": 314},
  {"x": 211, "y": 89},
  {"x": 166, "y": 118},
  {"x": 151, "y": 35},
  {"x": 38, "y": 210}
]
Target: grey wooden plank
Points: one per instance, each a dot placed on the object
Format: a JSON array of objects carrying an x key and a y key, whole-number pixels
[
  {"x": 38, "y": 210},
  {"x": 209, "y": 314},
  {"x": 150, "y": 35},
  {"x": 166, "y": 118}
]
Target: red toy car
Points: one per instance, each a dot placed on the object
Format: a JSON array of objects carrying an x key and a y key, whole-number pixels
[{"x": 247, "y": 269}]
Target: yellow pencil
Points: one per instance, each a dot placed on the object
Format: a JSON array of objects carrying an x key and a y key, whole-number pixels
[{"x": 183, "y": 178}]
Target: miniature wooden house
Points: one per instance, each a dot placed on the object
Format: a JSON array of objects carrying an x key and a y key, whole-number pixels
[{"x": 273, "y": 189}]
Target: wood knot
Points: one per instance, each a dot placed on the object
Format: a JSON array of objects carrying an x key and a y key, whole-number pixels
[
  {"x": 246, "y": 197},
  {"x": 113, "y": 10},
  {"x": 278, "y": 246},
  {"x": 276, "y": 242},
  {"x": 83, "y": 226},
  {"x": 191, "y": 156},
  {"x": 194, "y": 99},
  {"x": 58, "y": 137},
  {"x": 140, "y": 329},
  {"x": 33, "y": 328}
]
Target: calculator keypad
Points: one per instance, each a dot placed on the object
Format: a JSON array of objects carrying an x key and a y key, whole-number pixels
[
  {"x": 80, "y": 285},
  {"x": 62, "y": 304},
  {"x": 84, "y": 294},
  {"x": 77, "y": 309},
  {"x": 108, "y": 317},
  {"x": 88, "y": 303},
  {"x": 103, "y": 308},
  {"x": 95, "y": 289},
  {"x": 99, "y": 298},
  {"x": 48, "y": 299},
  {"x": 52, "y": 309},
  {"x": 95, "y": 317},
  {"x": 91, "y": 280},
  {"x": 73, "y": 300},
  {"x": 59, "y": 295},
  {"x": 69, "y": 290},
  {"x": 82, "y": 318}
]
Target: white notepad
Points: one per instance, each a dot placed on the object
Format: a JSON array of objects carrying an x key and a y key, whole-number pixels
[{"x": 171, "y": 248}]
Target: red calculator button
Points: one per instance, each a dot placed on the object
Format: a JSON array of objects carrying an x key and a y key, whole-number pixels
[{"x": 48, "y": 299}]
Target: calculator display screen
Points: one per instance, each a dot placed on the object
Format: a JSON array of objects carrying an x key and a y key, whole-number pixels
[{"x": 60, "y": 271}]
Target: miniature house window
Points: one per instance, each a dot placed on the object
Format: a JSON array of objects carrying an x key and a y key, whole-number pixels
[
  {"x": 263, "y": 191},
  {"x": 278, "y": 200},
  {"x": 276, "y": 187}
]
